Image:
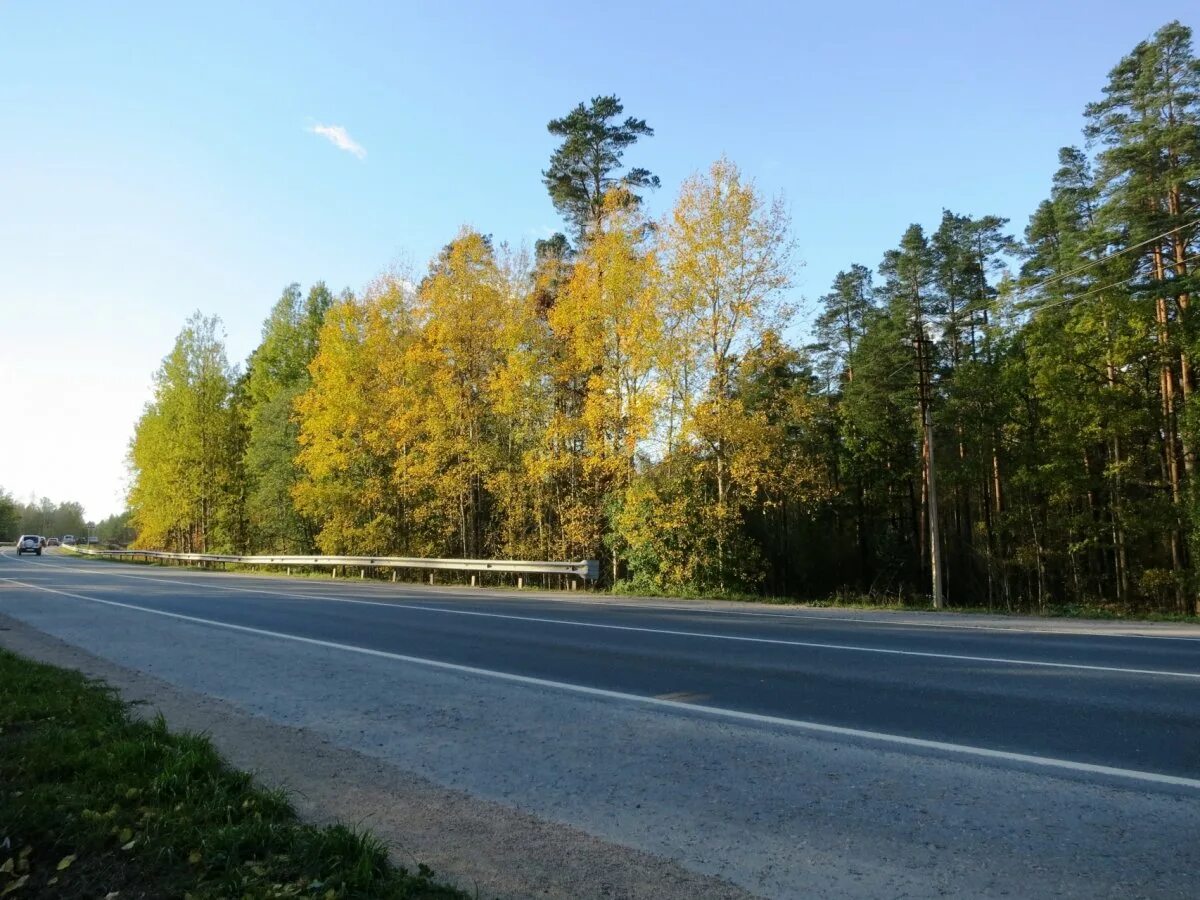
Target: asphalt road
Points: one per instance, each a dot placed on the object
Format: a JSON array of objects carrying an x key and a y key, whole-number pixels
[{"x": 791, "y": 752}]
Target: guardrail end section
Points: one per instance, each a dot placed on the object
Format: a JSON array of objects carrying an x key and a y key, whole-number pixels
[{"x": 593, "y": 570}]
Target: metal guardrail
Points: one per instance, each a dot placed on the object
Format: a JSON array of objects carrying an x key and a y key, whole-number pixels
[{"x": 588, "y": 569}]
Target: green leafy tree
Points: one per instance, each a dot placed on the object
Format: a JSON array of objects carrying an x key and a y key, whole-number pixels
[
  {"x": 10, "y": 517},
  {"x": 185, "y": 456},
  {"x": 277, "y": 374},
  {"x": 115, "y": 529}
]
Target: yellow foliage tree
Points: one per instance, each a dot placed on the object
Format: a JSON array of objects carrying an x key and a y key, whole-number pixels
[
  {"x": 727, "y": 264},
  {"x": 608, "y": 324},
  {"x": 347, "y": 456},
  {"x": 448, "y": 414}
]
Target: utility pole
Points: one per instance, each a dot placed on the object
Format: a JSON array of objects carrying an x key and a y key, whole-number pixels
[{"x": 925, "y": 392}]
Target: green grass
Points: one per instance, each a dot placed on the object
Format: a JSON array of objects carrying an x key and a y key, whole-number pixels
[
  {"x": 94, "y": 802},
  {"x": 892, "y": 603}
]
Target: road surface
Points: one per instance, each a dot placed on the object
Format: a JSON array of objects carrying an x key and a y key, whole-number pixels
[{"x": 788, "y": 752}]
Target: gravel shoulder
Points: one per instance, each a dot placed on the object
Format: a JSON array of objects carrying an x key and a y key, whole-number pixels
[{"x": 483, "y": 847}]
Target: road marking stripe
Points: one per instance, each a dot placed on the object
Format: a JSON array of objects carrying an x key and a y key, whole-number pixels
[
  {"x": 675, "y": 705},
  {"x": 703, "y": 635},
  {"x": 721, "y": 611}
]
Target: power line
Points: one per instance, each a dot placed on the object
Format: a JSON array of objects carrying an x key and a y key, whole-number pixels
[
  {"x": 1091, "y": 265},
  {"x": 1108, "y": 256},
  {"x": 1105, "y": 287},
  {"x": 1066, "y": 300}
]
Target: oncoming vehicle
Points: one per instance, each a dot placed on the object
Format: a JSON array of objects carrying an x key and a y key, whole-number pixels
[
  {"x": 68, "y": 540},
  {"x": 29, "y": 543},
  {"x": 51, "y": 542}
]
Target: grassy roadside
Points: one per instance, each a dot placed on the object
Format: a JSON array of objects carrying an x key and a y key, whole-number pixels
[
  {"x": 97, "y": 804},
  {"x": 884, "y": 603},
  {"x": 877, "y": 602}
]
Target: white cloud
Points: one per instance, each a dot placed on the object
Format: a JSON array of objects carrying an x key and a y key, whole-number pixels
[{"x": 337, "y": 136}]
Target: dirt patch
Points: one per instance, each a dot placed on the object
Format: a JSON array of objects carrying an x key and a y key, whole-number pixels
[{"x": 488, "y": 849}]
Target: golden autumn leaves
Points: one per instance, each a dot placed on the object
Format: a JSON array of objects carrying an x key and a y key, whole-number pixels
[{"x": 505, "y": 408}]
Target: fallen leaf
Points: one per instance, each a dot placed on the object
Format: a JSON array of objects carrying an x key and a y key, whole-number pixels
[
  {"x": 53, "y": 880},
  {"x": 112, "y": 895},
  {"x": 7, "y": 867},
  {"x": 65, "y": 862},
  {"x": 129, "y": 846},
  {"x": 14, "y": 886},
  {"x": 126, "y": 834},
  {"x": 194, "y": 857}
]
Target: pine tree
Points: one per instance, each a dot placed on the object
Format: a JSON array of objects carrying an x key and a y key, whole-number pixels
[
  {"x": 584, "y": 168},
  {"x": 839, "y": 325},
  {"x": 910, "y": 279},
  {"x": 1149, "y": 177}
]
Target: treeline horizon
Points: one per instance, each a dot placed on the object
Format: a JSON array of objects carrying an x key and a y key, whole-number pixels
[
  {"x": 42, "y": 516},
  {"x": 984, "y": 418}
]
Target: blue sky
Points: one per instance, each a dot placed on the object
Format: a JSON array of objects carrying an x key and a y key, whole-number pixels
[{"x": 160, "y": 159}]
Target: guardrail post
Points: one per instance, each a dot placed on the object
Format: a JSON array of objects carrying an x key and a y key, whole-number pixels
[
  {"x": 333, "y": 574},
  {"x": 520, "y": 582},
  {"x": 362, "y": 573},
  {"x": 431, "y": 578},
  {"x": 393, "y": 576},
  {"x": 472, "y": 581}
]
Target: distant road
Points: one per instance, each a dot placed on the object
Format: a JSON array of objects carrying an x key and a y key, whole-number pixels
[{"x": 787, "y": 751}]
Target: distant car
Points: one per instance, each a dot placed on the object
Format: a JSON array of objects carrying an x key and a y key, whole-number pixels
[
  {"x": 52, "y": 542},
  {"x": 92, "y": 539},
  {"x": 29, "y": 543},
  {"x": 68, "y": 540}
]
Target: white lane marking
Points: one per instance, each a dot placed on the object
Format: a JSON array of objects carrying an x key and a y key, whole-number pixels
[
  {"x": 692, "y": 708},
  {"x": 724, "y": 612},
  {"x": 820, "y": 645}
]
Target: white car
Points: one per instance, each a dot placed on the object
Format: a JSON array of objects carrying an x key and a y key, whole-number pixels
[{"x": 29, "y": 543}]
